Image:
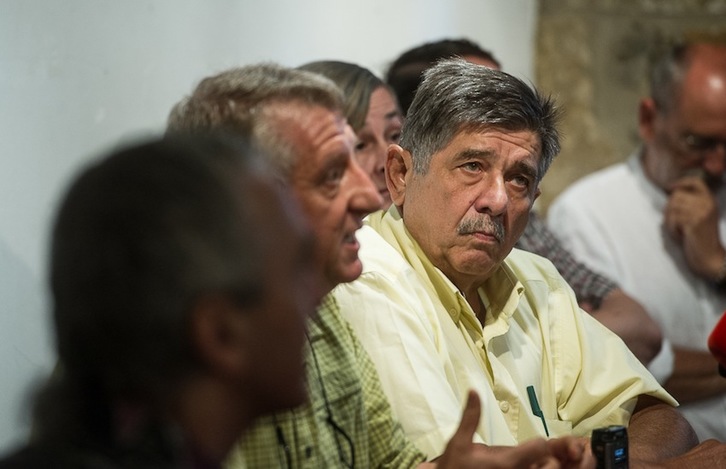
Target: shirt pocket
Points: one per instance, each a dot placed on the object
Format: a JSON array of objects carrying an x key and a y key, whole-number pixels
[{"x": 559, "y": 428}]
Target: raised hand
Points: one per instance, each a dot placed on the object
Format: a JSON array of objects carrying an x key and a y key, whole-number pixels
[
  {"x": 691, "y": 218},
  {"x": 461, "y": 452}
]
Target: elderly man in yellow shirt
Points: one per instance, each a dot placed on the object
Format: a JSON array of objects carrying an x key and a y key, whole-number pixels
[{"x": 444, "y": 305}]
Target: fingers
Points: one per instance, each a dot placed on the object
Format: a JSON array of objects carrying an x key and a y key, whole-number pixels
[
  {"x": 690, "y": 202},
  {"x": 692, "y": 184},
  {"x": 689, "y": 197},
  {"x": 566, "y": 448},
  {"x": 533, "y": 453},
  {"x": 549, "y": 463},
  {"x": 462, "y": 452},
  {"x": 572, "y": 452},
  {"x": 469, "y": 419},
  {"x": 459, "y": 447},
  {"x": 567, "y": 452}
]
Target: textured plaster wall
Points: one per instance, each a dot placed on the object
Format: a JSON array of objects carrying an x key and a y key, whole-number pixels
[{"x": 593, "y": 56}]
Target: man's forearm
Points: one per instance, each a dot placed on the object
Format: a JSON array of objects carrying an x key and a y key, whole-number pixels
[
  {"x": 695, "y": 376},
  {"x": 630, "y": 321},
  {"x": 658, "y": 431}
]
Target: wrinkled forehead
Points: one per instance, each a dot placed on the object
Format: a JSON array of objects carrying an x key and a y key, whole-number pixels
[
  {"x": 303, "y": 126},
  {"x": 312, "y": 134},
  {"x": 292, "y": 110},
  {"x": 523, "y": 136},
  {"x": 492, "y": 140},
  {"x": 304, "y": 115}
]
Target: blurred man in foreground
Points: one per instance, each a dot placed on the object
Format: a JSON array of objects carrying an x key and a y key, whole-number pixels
[{"x": 167, "y": 310}]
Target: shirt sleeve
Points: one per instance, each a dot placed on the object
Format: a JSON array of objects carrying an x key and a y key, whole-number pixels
[
  {"x": 389, "y": 447},
  {"x": 390, "y": 320},
  {"x": 597, "y": 379}
]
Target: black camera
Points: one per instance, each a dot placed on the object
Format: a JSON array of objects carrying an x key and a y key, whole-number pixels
[{"x": 610, "y": 447}]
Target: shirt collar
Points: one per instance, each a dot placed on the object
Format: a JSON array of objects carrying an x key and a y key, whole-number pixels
[
  {"x": 655, "y": 194},
  {"x": 500, "y": 293}
]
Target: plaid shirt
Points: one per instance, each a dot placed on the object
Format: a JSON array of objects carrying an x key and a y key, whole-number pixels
[
  {"x": 589, "y": 286},
  {"x": 344, "y": 386}
]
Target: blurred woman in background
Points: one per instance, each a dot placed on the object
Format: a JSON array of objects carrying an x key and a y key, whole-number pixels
[{"x": 372, "y": 111}]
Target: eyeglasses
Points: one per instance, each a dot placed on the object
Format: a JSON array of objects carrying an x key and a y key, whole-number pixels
[{"x": 701, "y": 145}]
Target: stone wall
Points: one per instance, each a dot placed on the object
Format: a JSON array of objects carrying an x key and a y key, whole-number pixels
[{"x": 593, "y": 56}]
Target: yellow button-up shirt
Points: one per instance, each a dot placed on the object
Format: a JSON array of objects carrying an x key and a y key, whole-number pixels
[{"x": 430, "y": 349}]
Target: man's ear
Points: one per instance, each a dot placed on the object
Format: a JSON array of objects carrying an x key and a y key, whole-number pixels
[
  {"x": 399, "y": 168},
  {"x": 220, "y": 335},
  {"x": 647, "y": 113}
]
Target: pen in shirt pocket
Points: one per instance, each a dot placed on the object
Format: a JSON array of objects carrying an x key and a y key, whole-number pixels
[{"x": 535, "y": 407}]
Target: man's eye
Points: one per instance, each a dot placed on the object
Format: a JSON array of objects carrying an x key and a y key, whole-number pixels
[
  {"x": 334, "y": 175},
  {"x": 702, "y": 143},
  {"x": 472, "y": 166},
  {"x": 521, "y": 181}
]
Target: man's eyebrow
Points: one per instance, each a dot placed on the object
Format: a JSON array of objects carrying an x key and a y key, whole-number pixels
[
  {"x": 470, "y": 153},
  {"x": 475, "y": 153},
  {"x": 336, "y": 159},
  {"x": 527, "y": 169}
]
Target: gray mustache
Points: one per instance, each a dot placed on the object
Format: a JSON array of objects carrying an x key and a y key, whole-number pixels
[{"x": 484, "y": 224}]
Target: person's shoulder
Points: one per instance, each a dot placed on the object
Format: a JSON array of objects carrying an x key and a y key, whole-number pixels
[
  {"x": 529, "y": 268},
  {"x": 534, "y": 265},
  {"x": 371, "y": 241},
  {"x": 596, "y": 183},
  {"x": 327, "y": 320},
  {"x": 377, "y": 254}
]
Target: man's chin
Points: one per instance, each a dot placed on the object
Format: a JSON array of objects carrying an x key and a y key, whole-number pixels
[{"x": 346, "y": 273}]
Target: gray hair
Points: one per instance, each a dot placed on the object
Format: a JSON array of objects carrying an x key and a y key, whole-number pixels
[
  {"x": 237, "y": 100},
  {"x": 456, "y": 95},
  {"x": 667, "y": 75}
]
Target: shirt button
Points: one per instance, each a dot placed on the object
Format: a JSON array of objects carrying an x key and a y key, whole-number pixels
[{"x": 504, "y": 406}]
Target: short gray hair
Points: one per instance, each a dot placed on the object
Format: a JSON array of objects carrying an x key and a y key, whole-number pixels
[
  {"x": 667, "y": 74},
  {"x": 456, "y": 95},
  {"x": 236, "y": 100}
]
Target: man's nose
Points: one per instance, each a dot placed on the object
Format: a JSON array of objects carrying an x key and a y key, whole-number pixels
[
  {"x": 493, "y": 198},
  {"x": 364, "y": 195},
  {"x": 715, "y": 161}
]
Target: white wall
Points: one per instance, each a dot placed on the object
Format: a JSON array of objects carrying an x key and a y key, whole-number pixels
[{"x": 77, "y": 76}]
